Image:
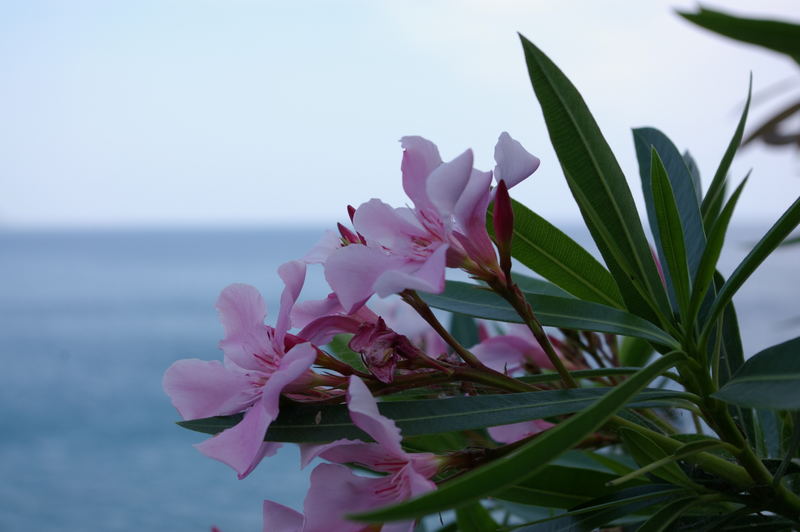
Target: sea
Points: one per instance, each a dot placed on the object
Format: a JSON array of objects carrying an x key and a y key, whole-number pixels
[{"x": 89, "y": 321}]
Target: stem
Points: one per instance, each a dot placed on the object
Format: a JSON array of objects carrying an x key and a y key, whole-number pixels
[
  {"x": 733, "y": 473},
  {"x": 422, "y": 308},
  {"x": 513, "y": 295},
  {"x": 493, "y": 378}
]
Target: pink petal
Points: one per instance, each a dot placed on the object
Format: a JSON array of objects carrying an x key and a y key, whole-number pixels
[
  {"x": 428, "y": 276},
  {"x": 242, "y": 312},
  {"x": 305, "y": 312},
  {"x": 380, "y": 223},
  {"x": 352, "y": 271},
  {"x": 514, "y": 163},
  {"x": 446, "y": 184},
  {"x": 344, "y": 451},
  {"x": 420, "y": 158},
  {"x": 335, "y": 492},
  {"x": 319, "y": 253},
  {"x": 364, "y": 413},
  {"x": 517, "y": 431},
  {"x": 201, "y": 389},
  {"x": 293, "y": 274},
  {"x": 242, "y": 447},
  {"x": 502, "y": 353},
  {"x": 279, "y": 518},
  {"x": 475, "y": 194},
  {"x": 322, "y": 330}
]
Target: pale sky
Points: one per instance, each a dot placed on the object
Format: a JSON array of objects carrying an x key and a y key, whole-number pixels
[{"x": 245, "y": 112}]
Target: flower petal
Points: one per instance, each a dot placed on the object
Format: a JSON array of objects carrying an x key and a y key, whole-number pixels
[
  {"x": 514, "y": 163},
  {"x": 322, "y": 330},
  {"x": 200, "y": 388},
  {"x": 382, "y": 224},
  {"x": 319, "y": 253},
  {"x": 293, "y": 274},
  {"x": 420, "y": 158},
  {"x": 352, "y": 271},
  {"x": 517, "y": 431},
  {"x": 428, "y": 276},
  {"x": 364, "y": 413},
  {"x": 335, "y": 492},
  {"x": 242, "y": 446},
  {"x": 307, "y": 311},
  {"x": 242, "y": 312},
  {"x": 280, "y": 518},
  {"x": 446, "y": 184}
]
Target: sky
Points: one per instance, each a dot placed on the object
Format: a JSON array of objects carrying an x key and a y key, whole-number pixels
[{"x": 210, "y": 113}]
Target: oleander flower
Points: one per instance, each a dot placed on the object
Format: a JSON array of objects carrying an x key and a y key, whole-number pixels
[
  {"x": 336, "y": 491},
  {"x": 256, "y": 370},
  {"x": 395, "y": 249}
]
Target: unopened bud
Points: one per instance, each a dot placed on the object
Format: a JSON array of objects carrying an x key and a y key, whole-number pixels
[{"x": 503, "y": 226}]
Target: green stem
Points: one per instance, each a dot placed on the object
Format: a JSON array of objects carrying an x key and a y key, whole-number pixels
[
  {"x": 513, "y": 295},
  {"x": 422, "y": 308},
  {"x": 733, "y": 473}
]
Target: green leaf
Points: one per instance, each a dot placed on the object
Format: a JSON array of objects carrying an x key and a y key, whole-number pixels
[
  {"x": 716, "y": 190},
  {"x": 667, "y": 514},
  {"x": 312, "y": 423},
  {"x": 581, "y": 374},
  {"x": 567, "y": 313},
  {"x": 694, "y": 171},
  {"x": 634, "y": 351},
  {"x": 556, "y": 486},
  {"x": 670, "y": 232},
  {"x": 683, "y": 451},
  {"x": 775, "y": 35},
  {"x": 340, "y": 349},
  {"x": 464, "y": 329},
  {"x": 645, "y": 451},
  {"x": 532, "y": 285},
  {"x": 770, "y": 379},
  {"x": 526, "y": 460},
  {"x": 753, "y": 260},
  {"x": 474, "y": 518},
  {"x": 603, "y": 510},
  {"x": 684, "y": 186},
  {"x": 598, "y": 186},
  {"x": 708, "y": 263},
  {"x": 546, "y": 250}
]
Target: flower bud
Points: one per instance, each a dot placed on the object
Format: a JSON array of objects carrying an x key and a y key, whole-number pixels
[{"x": 503, "y": 226}]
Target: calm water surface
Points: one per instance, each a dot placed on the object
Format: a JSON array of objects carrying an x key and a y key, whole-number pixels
[{"x": 90, "y": 321}]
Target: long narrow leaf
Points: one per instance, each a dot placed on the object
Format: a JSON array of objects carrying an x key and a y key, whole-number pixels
[
  {"x": 684, "y": 186},
  {"x": 568, "y": 313},
  {"x": 310, "y": 423},
  {"x": 770, "y": 379},
  {"x": 598, "y": 185},
  {"x": 603, "y": 510},
  {"x": 765, "y": 246},
  {"x": 667, "y": 514},
  {"x": 509, "y": 470},
  {"x": 671, "y": 232},
  {"x": 708, "y": 263},
  {"x": 546, "y": 250},
  {"x": 777, "y": 35},
  {"x": 716, "y": 190}
]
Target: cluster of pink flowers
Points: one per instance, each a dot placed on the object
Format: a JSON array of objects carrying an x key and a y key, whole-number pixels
[{"x": 387, "y": 251}]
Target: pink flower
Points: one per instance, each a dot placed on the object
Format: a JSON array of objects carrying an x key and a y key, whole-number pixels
[
  {"x": 511, "y": 352},
  {"x": 409, "y": 248},
  {"x": 517, "y": 431},
  {"x": 256, "y": 371},
  {"x": 336, "y": 491}
]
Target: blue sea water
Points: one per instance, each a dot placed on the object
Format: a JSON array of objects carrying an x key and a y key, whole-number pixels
[{"x": 89, "y": 321}]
